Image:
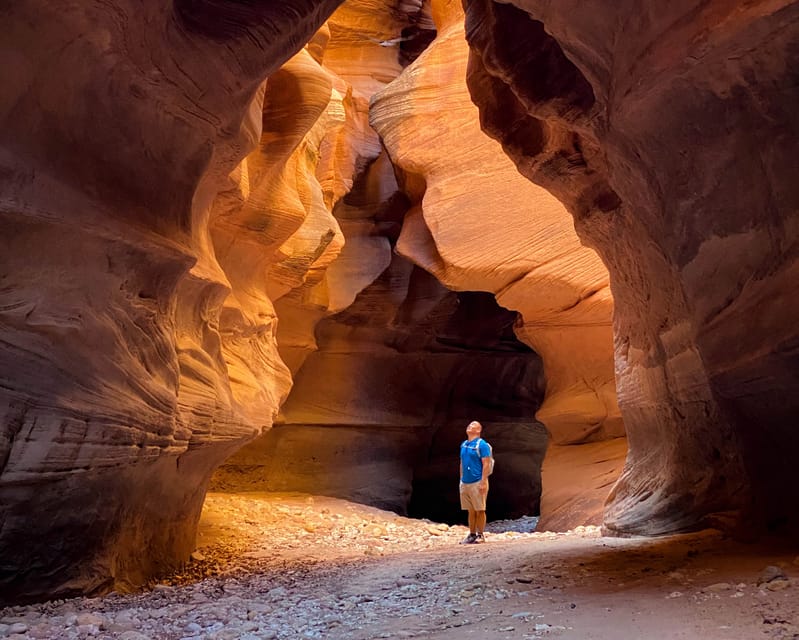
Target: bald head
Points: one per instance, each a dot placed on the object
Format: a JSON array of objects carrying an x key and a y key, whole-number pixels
[{"x": 474, "y": 429}]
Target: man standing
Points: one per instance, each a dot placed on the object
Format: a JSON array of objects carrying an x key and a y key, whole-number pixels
[{"x": 475, "y": 461}]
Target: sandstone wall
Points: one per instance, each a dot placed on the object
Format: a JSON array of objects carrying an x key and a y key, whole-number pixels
[
  {"x": 381, "y": 396},
  {"x": 162, "y": 207},
  {"x": 479, "y": 225},
  {"x": 669, "y": 131},
  {"x": 134, "y": 356},
  {"x": 534, "y": 262},
  {"x": 378, "y": 411}
]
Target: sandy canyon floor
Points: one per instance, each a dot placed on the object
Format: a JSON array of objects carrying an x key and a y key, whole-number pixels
[{"x": 280, "y": 566}]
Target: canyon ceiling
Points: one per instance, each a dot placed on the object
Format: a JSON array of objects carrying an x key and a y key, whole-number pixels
[{"x": 277, "y": 243}]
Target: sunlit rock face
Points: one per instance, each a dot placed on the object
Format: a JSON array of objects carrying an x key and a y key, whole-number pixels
[
  {"x": 532, "y": 261},
  {"x": 479, "y": 225},
  {"x": 389, "y": 366},
  {"x": 377, "y": 413},
  {"x": 527, "y": 254},
  {"x": 669, "y": 130},
  {"x": 349, "y": 51},
  {"x": 137, "y": 344},
  {"x": 576, "y": 481}
]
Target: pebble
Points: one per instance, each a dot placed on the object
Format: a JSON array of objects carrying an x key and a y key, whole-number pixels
[
  {"x": 778, "y": 584},
  {"x": 266, "y": 583},
  {"x": 719, "y": 586},
  {"x": 770, "y": 573}
]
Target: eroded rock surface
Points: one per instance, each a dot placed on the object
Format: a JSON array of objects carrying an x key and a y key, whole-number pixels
[
  {"x": 479, "y": 225},
  {"x": 128, "y": 368},
  {"x": 389, "y": 366},
  {"x": 162, "y": 209},
  {"x": 576, "y": 481},
  {"x": 376, "y": 414},
  {"x": 669, "y": 130}
]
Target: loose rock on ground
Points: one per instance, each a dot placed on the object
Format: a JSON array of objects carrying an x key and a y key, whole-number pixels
[{"x": 288, "y": 566}]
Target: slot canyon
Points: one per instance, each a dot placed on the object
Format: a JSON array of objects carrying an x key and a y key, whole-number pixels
[{"x": 293, "y": 248}]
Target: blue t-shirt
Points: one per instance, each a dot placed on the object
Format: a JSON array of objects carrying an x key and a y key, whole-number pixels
[{"x": 472, "y": 452}]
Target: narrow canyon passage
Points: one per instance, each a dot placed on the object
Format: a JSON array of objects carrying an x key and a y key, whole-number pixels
[
  {"x": 377, "y": 412},
  {"x": 312, "y": 293},
  {"x": 297, "y": 245},
  {"x": 394, "y": 348}
]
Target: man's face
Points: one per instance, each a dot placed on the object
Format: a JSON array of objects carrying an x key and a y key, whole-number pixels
[{"x": 473, "y": 430}]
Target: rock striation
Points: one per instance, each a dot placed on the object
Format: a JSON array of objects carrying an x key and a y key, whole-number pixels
[
  {"x": 195, "y": 214},
  {"x": 134, "y": 354},
  {"x": 388, "y": 365},
  {"x": 479, "y": 225},
  {"x": 378, "y": 411},
  {"x": 669, "y": 132}
]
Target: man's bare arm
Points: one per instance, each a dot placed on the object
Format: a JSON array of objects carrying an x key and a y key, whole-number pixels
[{"x": 484, "y": 479}]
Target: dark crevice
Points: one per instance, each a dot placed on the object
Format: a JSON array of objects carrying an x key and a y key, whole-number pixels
[{"x": 530, "y": 60}]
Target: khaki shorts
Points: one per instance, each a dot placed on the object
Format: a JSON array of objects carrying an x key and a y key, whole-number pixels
[{"x": 471, "y": 498}]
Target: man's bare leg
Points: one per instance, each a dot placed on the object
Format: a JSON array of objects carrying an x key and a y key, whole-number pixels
[
  {"x": 479, "y": 521},
  {"x": 473, "y": 521}
]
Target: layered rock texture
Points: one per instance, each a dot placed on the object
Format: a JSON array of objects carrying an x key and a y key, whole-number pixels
[
  {"x": 376, "y": 414},
  {"x": 669, "y": 130},
  {"x": 136, "y": 336},
  {"x": 160, "y": 212},
  {"x": 576, "y": 481},
  {"x": 389, "y": 366},
  {"x": 478, "y": 224},
  {"x": 196, "y": 215}
]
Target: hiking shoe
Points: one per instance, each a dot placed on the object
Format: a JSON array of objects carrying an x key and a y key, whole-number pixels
[
  {"x": 480, "y": 538},
  {"x": 470, "y": 539}
]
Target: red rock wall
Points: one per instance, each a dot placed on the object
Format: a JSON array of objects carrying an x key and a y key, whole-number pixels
[
  {"x": 479, "y": 225},
  {"x": 669, "y": 131},
  {"x": 126, "y": 373},
  {"x": 162, "y": 208},
  {"x": 377, "y": 412}
]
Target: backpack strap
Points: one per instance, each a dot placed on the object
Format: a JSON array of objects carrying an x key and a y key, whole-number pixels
[{"x": 472, "y": 446}]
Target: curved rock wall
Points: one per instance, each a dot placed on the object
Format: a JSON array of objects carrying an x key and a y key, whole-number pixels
[
  {"x": 164, "y": 207},
  {"x": 128, "y": 370},
  {"x": 375, "y": 395},
  {"x": 377, "y": 412},
  {"x": 479, "y": 225},
  {"x": 669, "y": 131},
  {"x": 347, "y": 50}
]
